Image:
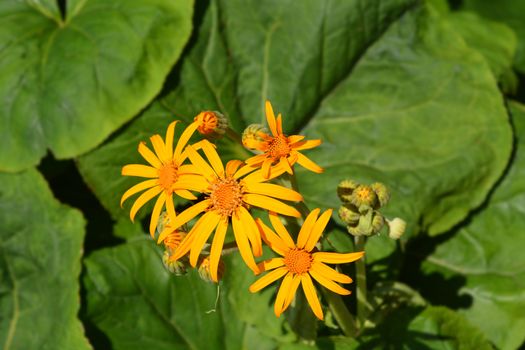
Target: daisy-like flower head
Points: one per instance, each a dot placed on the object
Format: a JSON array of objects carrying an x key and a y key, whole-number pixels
[
  {"x": 229, "y": 192},
  {"x": 299, "y": 262},
  {"x": 279, "y": 148},
  {"x": 164, "y": 172}
]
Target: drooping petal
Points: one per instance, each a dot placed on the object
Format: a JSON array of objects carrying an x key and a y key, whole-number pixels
[
  {"x": 213, "y": 157},
  {"x": 160, "y": 148},
  {"x": 169, "y": 137},
  {"x": 271, "y": 239},
  {"x": 266, "y": 168},
  {"x": 265, "y": 280},
  {"x": 187, "y": 242},
  {"x": 141, "y": 186},
  {"x": 282, "y": 294},
  {"x": 318, "y": 229},
  {"x": 243, "y": 244},
  {"x": 306, "y": 145},
  {"x": 185, "y": 216},
  {"x": 269, "y": 203},
  {"x": 308, "y": 164},
  {"x": 273, "y": 190},
  {"x": 311, "y": 295},
  {"x": 183, "y": 139},
  {"x": 336, "y": 258},
  {"x": 306, "y": 229},
  {"x": 140, "y": 170},
  {"x": 329, "y": 284},
  {"x": 291, "y": 293},
  {"x": 206, "y": 170},
  {"x": 216, "y": 248},
  {"x": 149, "y": 156},
  {"x": 232, "y": 166},
  {"x": 329, "y": 272},
  {"x": 251, "y": 230},
  {"x": 143, "y": 199},
  {"x": 159, "y": 204},
  {"x": 270, "y": 264},
  {"x": 209, "y": 222},
  {"x": 283, "y": 161},
  {"x": 281, "y": 230},
  {"x": 270, "y": 118}
]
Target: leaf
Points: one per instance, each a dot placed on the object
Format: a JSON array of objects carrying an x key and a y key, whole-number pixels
[
  {"x": 487, "y": 252},
  {"x": 66, "y": 84},
  {"x": 40, "y": 249},
  {"x": 383, "y": 88},
  {"x": 139, "y": 305},
  {"x": 509, "y": 12}
]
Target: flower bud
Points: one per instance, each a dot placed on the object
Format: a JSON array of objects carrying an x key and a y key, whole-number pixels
[
  {"x": 348, "y": 216},
  {"x": 377, "y": 223},
  {"x": 363, "y": 197},
  {"x": 176, "y": 267},
  {"x": 383, "y": 194},
  {"x": 211, "y": 124},
  {"x": 254, "y": 133},
  {"x": 162, "y": 221},
  {"x": 396, "y": 228},
  {"x": 173, "y": 240},
  {"x": 345, "y": 189},
  {"x": 204, "y": 269}
]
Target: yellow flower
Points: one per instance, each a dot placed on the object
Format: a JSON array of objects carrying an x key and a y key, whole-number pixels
[
  {"x": 279, "y": 148},
  {"x": 164, "y": 172},
  {"x": 230, "y": 191},
  {"x": 299, "y": 262}
]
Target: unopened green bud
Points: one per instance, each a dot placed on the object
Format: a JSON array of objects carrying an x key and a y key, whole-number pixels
[
  {"x": 377, "y": 223},
  {"x": 348, "y": 216},
  {"x": 345, "y": 189},
  {"x": 162, "y": 221},
  {"x": 363, "y": 197},
  {"x": 396, "y": 228},
  {"x": 204, "y": 269},
  {"x": 177, "y": 267},
  {"x": 383, "y": 194},
  {"x": 252, "y": 135}
]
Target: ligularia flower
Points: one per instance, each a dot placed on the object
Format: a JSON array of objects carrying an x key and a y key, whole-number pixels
[
  {"x": 279, "y": 148},
  {"x": 300, "y": 262}
]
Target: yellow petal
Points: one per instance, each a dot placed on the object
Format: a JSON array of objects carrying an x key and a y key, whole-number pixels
[
  {"x": 187, "y": 242},
  {"x": 185, "y": 194},
  {"x": 330, "y": 273},
  {"x": 232, "y": 166},
  {"x": 282, "y": 294},
  {"x": 139, "y": 170},
  {"x": 337, "y": 258},
  {"x": 149, "y": 156},
  {"x": 183, "y": 139},
  {"x": 268, "y": 203},
  {"x": 251, "y": 230},
  {"x": 306, "y": 145},
  {"x": 318, "y": 229},
  {"x": 311, "y": 295},
  {"x": 281, "y": 230},
  {"x": 170, "y": 208},
  {"x": 258, "y": 176},
  {"x": 279, "y": 124},
  {"x": 308, "y": 164},
  {"x": 159, "y": 204},
  {"x": 160, "y": 148},
  {"x": 209, "y": 222},
  {"x": 273, "y": 190},
  {"x": 200, "y": 163},
  {"x": 306, "y": 229},
  {"x": 267, "y": 279},
  {"x": 213, "y": 158},
  {"x": 243, "y": 171},
  {"x": 216, "y": 248},
  {"x": 185, "y": 216},
  {"x": 270, "y": 264},
  {"x": 266, "y": 168},
  {"x": 191, "y": 182},
  {"x": 143, "y": 199},
  {"x": 141, "y": 186},
  {"x": 270, "y": 118},
  {"x": 329, "y": 284},
  {"x": 283, "y": 161},
  {"x": 243, "y": 244},
  {"x": 292, "y": 290},
  {"x": 295, "y": 138},
  {"x": 169, "y": 137},
  {"x": 257, "y": 159},
  {"x": 271, "y": 239}
]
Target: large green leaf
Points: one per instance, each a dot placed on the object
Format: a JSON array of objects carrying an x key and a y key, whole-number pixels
[
  {"x": 139, "y": 305},
  {"x": 395, "y": 94},
  {"x": 511, "y": 12},
  {"x": 488, "y": 253},
  {"x": 40, "y": 250},
  {"x": 66, "y": 84}
]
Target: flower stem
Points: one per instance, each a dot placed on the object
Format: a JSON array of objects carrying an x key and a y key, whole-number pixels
[
  {"x": 362, "y": 302},
  {"x": 233, "y": 135}
]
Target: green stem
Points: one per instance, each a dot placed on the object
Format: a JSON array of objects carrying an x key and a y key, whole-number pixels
[
  {"x": 233, "y": 135},
  {"x": 362, "y": 302}
]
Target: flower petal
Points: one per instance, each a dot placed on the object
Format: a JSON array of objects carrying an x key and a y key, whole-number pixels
[
  {"x": 232, "y": 166},
  {"x": 270, "y": 118},
  {"x": 169, "y": 137},
  {"x": 205, "y": 169},
  {"x": 271, "y": 239},
  {"x": 282, "y": 294},
  {"x": 140, "y": 170},
  {"x": 337, "y": 258},
  {"x": 311, "y": 295},
  {"x": 283, "y": 162},
  {"x": 187, "y": 242},
  {"x": 269, "y": 203},
  {"x": 270, "y": 264},
  {"x": 308, "y": 164},
  {"x": 209, "y": 222},
  {"x": 295, "y": 138},
  {"x": 159, "y": 204},
  {"x": 243, "y": 243},
  {"x": 216, "y": 248},
  {"x": 265, "y": 280},
  {"x": 185, "y": 194},
  {"x": 141, "y": 186},
  {"x": 306, "y": 145},
  {"x": 329, "y": 284},
  {"x": 213, "y": 158},
  {"x": 252, "y": 230},
  {"x": 291, "y": 293},
  {"x": 184, "y": 138},
  {"x": 160, "y": 148},
  {"x": 329, "y": 272},
  {"x": 149, "y": 156},
  {"x": 279, "y": 124},
  {"x": 273, "y": 190},
  {"x": 185, "y": 216},
  {"x": 306, "y": 229},
  {"x": 281, "y": 230},
  {"x": 170, "y": 208},
  {"x": 143, "y": 199},
  {"x": 266, "y": 168},
  {"x": 318, "y": 229}
]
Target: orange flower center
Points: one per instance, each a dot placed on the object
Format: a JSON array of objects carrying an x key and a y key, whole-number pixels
[
  {"x": 168, "y": 175},
  {"x": 226, "y": 196},
  {"x": 279, "y": 147},
  {"x": 298, "y": 261},
  {"x": 208, "y": 122}
]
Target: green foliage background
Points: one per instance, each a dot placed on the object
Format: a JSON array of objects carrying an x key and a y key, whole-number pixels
[{"x": 423, "y": 96}]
